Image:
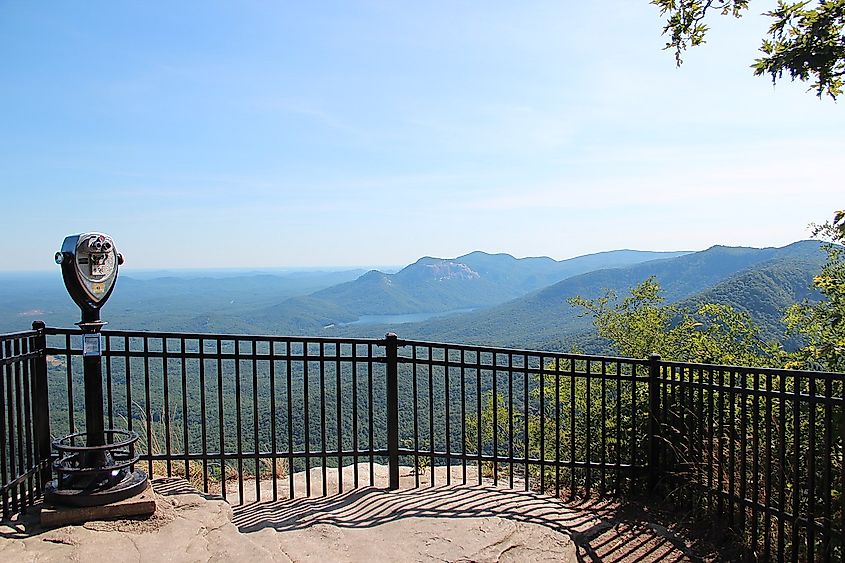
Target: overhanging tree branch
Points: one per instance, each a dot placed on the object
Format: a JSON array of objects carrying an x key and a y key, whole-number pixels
[{"x": 805, "y": 43}]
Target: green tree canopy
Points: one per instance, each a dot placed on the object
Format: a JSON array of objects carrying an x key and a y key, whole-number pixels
[
  {"x": 806, "y": 39},
  {"x": 641, "y": 324},
  {"x": 822, "y": 324}
]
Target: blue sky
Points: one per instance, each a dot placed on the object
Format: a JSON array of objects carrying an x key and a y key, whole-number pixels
[{"x": 287, "y": 134}]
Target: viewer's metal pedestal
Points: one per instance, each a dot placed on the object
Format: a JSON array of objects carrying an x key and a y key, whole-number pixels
[{"x": 94, "y": 468}]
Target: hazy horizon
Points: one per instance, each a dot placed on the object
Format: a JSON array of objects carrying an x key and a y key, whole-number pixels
[{"x": 140, "y": 273}]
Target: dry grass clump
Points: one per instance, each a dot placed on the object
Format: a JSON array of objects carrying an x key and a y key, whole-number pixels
[
  {"x": 266, "y": 468},
  {"x": 156, "y": 430}
]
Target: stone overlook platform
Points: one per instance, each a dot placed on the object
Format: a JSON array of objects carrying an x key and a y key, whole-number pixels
[{"x": 442, "y": 523}]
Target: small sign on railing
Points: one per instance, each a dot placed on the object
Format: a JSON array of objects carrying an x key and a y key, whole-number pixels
[{"x": 92, "y": 344}]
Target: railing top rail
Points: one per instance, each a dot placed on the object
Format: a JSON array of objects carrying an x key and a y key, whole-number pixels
[
  {"x": 755, "y": 370},
  {"x": 431, "y": 344},
  {"x": 521, "y": 352},
  {"x": 52, "y": 331},
  {"x": 18, "y": 335}
]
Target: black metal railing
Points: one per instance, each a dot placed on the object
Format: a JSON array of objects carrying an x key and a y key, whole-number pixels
[
  {"x": 542, "y": 418},
  {"x": 24, "y": 422},
  {"x": 761, "y": 448},
  {"x": 218, "y": 408},
  {"x": 260, "y": 417}
]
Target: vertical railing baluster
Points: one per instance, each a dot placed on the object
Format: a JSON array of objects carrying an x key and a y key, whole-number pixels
[
  {"x": 573, "y": 485},
  {"x": 827, "y": 483},
  {"x": 603, "y": 482},
  {"x": 711, "y": 398},
  {"x": 236, "y": 343},
  {"x": 355, "y": 414},
  {"x": 755, "y": 462},
  {"x": 109, "y": 391},
  {"x": 767, "y": 471},
  {"x": 392, "y": 399},
  {"x": 371, "y": 413},
  {"x": 654, "y": 432},
  {"x": 324, "y": 459},
  {"x": 415, "y": 392},
  {"x": 510, "y": 420},
  {"x": 588, "y": 442},
  {"x": 147, "y": 407},
  {"x": 527, "y": 439},
  {"x": 702, "y": 435},
  {"x": 22, "y": 367},
  {"x": 732, "y": 498},
  {"x": 127, "y": 368},
  {"x": 743, "y": 451},
  {"x": 204, "y": 424},
  {"x": 339, "y": 415},
  {"x": 811, "y": 469},
  {"x": 796, "y": 464},
  {"x": 542, "y": 388},
  {"x": 10, "y": 428},
  {"x": 557, "y": 421},
  {"x": 289, "y": 370},
  {"x": 185, "y": 410},
  {"x": 447, "y": 413},
  {"x": 220, "y": 417},
  {"x": 634, "y": 426},
  {"x": 306, "y": 424},
  {"x": 618, "y": 447},
  {"x": 495, "y": 404},
  {"x": 478, "y": 375},
  {"x": 41, "y": 409},
  {"x": 430, "y": 360},
  {"x": 5, "y": 469},
  {"x": 782, "y": 472},
  {"x": 274, "y": 443},
  {"x": 464, "y": 420},
  {"x": 165, "y": 374},
  {"x": 841, "y": 431},
  {"x": 255, "y": 438},
  {"x": 20, "y": 423},
  {"x": 70, "y": 404}
]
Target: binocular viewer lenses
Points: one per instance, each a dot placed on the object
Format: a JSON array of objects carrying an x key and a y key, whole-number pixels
[{"x": 97, "y": 245}]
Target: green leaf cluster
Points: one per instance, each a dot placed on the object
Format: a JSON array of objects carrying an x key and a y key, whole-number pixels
[
  {"x": 805, "y": 42},
  {"x": 822, "y": 324},
  {"x": 684, "y": 20},
  {"x": 808, "y": 44},
  {"x": 641, "y": 324}
]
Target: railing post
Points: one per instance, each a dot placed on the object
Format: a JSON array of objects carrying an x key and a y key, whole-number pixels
[
  {"x": 41, "y": 407},
  {"x": 392, "y": 347},
  {"x": 654, "y": 468}
]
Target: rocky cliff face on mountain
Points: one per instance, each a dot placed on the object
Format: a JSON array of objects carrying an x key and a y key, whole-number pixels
[{"x": 446, "y": 271}]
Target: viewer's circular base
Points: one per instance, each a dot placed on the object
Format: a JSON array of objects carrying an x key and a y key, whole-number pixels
[{"x": 132, "y": 484}]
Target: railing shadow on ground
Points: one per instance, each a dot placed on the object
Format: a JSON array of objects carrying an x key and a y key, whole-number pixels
[
  {"x": 167, "y": 486},
  {"x": 602, "y": 530}
]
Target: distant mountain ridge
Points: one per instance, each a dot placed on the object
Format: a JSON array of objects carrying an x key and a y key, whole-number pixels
[
  {"x": 543, "y": 319},
  {"x": 520, "y": 302},
  {"x": 433, "y": 285}
]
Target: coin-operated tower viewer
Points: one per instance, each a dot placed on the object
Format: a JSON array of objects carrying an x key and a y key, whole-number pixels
[{"x": 94, "y": 467}]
